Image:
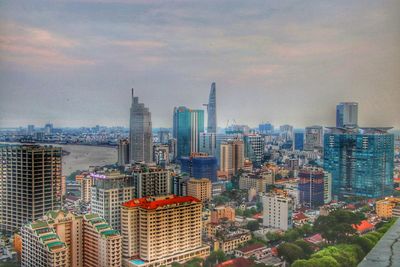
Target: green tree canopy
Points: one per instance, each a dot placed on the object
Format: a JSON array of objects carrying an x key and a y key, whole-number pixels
[{"x": 290, "y": 252}]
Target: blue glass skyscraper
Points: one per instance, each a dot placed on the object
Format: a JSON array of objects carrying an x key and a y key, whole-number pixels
[
  {"x": 298, "y": 141},
  {"x": 188, "y": 124},
  {"x": 360, "y": 161},
  {"x": 200, "y": 166}
]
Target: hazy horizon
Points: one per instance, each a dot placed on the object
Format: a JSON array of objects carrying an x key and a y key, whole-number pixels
[{"x": 73, "y": 63}]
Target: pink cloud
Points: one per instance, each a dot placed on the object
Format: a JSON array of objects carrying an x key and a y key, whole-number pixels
[{"x": 37, "y": 47}]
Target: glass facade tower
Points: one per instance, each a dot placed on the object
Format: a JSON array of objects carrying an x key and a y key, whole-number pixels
[
  {"x": 212, "y": 110},
  {"x": 360, "y": 160}
]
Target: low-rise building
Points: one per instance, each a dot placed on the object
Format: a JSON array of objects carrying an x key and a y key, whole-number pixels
[
  {"x": 384, "y": 207},
  {"x": 222, "y": 212},
  {"x": 229, "y": 241}
]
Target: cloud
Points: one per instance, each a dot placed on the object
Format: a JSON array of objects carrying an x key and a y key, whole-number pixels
[
  {"x": 37, "y": 47},
  {"x": 140, "y": 44}
]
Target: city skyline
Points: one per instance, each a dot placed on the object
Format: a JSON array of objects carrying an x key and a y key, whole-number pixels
[{"x": 73, "y": 62}]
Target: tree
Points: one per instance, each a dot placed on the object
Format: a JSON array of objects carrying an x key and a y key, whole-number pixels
[
  {"x": 214, "y": 258},
  {"x": 253, "y": 226},
  {"x": 337, "y": 226},
  {"x": 291, "y": 235},
  {"x": 306, "y": 247},
  {"x": 273, "y": 236},
  {"x": 195, "y": 262},
  {"x": 365, "y": 244},
  {"x": 290, "y": 252}
]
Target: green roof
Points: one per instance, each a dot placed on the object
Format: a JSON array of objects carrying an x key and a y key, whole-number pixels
[
  {"x": 49, "y": 236},
  {"x": 91, "y": 216},
  {"x": 39, "y": 224},
  {"x": 102, "y": 226},
  {"x": 55, "y": 244},
  {"x": 109, "y": 233}
]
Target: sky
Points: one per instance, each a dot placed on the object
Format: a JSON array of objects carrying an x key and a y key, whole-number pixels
[{"x": 74, "y": 62}]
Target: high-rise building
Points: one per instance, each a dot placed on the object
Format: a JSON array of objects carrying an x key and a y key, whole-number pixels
[
  {"x": 266, "y": 128},
  {"x": 123, "y": 152},
  {"x": 63, "y": 239},
  {"x": 347, "y": 114},
  {"x": 163, "y": 136},
  {"x": 161, "y": 155},
  {"x": 254, "y": 145},
  {"x": 200, "y": 189},
  {"x": 212, "y": 110},
  {"x": 327, "y": 187},
  {"x": 232, "y": 157},
  {"x": 160, "y": 230},
  {"x": 109, "y": 191},
  {"x": 311, "y": 187},
  {"x": 200, "y": 165},
  {"x": 151, "y": 181},
  {"x": 48, "y": 128},
  {"x": 31, "y": 129},
  {"x": 188, "y": 124},
  {"x": 86, "y": 189},
  {"x": 208, "y": 143},
  {"x": 286, "y": 132},
  {"x": 360, "y": 161},
  {"x": 277, "y": 210},
  {"x": 314, "y": 138},
  {"x": 140, "y": 134},
  {"x": 298, "y": 141},
  {"x": 30, "y": 183}
]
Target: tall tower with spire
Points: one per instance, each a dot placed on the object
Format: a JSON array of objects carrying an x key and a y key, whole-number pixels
[
  {"x": 140, "y": 134},
  {"x": 212, "y": 110}
]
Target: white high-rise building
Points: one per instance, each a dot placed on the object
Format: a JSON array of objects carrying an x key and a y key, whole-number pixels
[
  {"x": 327, "y": 187},
  {"x": 109, "y": 191},
  {"x": 277, "y": 210}
]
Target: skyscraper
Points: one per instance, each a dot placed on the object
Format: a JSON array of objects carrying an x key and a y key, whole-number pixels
[
  {"x": 314, "y": 138},
  {"x": 311, "y": 187},
  {"x": 140, "y": 135},
  {"x": 123, "y": 152},
  {"x": 200, "y": 165},
  {"x": 30, "y": 183},
  {"x": 232, "y": 157},
  {"x": 188, "y": 124},
  {"x": 212, "y": 110},
  {"x": 347, "y": 114},
  {"x": 254, "y": 148},
  {"x": 360, "y": 161}
]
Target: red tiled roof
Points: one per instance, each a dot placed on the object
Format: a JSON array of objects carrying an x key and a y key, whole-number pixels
[
  {"x": 238, "y": 262},
  {"x": 299, "y": 216},
  {"x": 397, "y": 188},
  {"x": 314, "y": 239},
  {"x": 251, "y": 248},
  {"x": 274, "y": 251},
  {"x": 257, "y": 216},
  {"x": 363, "y": 226},
  {"x": 148, "y": 203}
]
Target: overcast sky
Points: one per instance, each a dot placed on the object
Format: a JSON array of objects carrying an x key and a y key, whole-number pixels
[{"x": 73, "y": 62}]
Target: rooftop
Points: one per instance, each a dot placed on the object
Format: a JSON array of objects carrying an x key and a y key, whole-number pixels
[
  {"x": 363, "y": 226},
  {"x": 251, "y": 248},
  {"x": 151, "y": 203}
]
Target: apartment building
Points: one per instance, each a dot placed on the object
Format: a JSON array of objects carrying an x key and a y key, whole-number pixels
[
  {"x": 277, "y": 210},
  {"x": 200, "y": 189}
]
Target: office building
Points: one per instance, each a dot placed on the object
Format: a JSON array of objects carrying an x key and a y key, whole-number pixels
[
  {"x": 123, "y": 152},
  {"x": 140, "y": 134},
  {"x": 208, "y": 143},
  {"x": 30, "y": 183},
  {"x": 179, "y": 184},
  {"x": 347, "y": 115},
  {"x": 286, "y": 132},
  {"x": 314, "y": 136},
  {"x": 200, "y": 189},
  {"x": 200, "y": 165},
  {"x": 360, "y": 161},
  {"x": 63, "y": 239},
  {"x": 311, "y": 187},
  {"x": 163, "y": 136},
  {"x": 151, "y": 181},
  {"x": 161, "y": 155},
  {"x": 173, "y": 149},
  {"x": 212, "y": 110},
  {"x": 266, "y": 128},
  {"x": 258, "y": 181},
  {"x": 232, "y": 157},
  {"x": 254, "y": 146},
  {"x": 277, "y": 210},
  {"x": 48, "y": 128},
  {"x": 146, "y": 239},
  {"x": 299, "y": 141},
  {"x": 188, "y": 124},
  {"x": 109, "y": 191},
  {"x": 31, "y": 129}
]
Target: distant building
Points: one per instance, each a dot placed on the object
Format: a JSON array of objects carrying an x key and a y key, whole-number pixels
[
  {"x": 140, "y": 134},
  {"x": 254, "y": 146},
  {"x": 212, "y": 110},
  {"x": 163, "y": 136},
  {"x": 86, "y": 189},
  {"x": 266, "y": 128},
  {"x": 347, "y": 114},
  {"x": 146, "y": 240},
  {"x": 200, "y": 189},
  {"x": 232, "y": 157},
  {"x": 188, "y": 124},
  {"x": 277, "y": 211},
  {"x": 63, "y": 239},
  {"x": 161, "y": 155},
  {"x": 200, "y": 165},
  {"x": 208, "y": 143},
  {"x": 384, "y": 207},
  {"x": 299, "y": 141},
  {"x": 259, "y": 181},
  {"x": 360, "y": 161},
  {"x": 311, "y": 187},
  {"x": 123, "y": 152},
  {"x": 151, "y": 181},
  {"x": 30, "y": 183},
  {"x": 48, "y": 128},
  {"x": 286, "y": 132},
  {"x": 109, "y": 191},
  {"x": 314, "y": 136},
  {"x": 327, "y": 187},
  {"x": 222, "y": 212}
]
